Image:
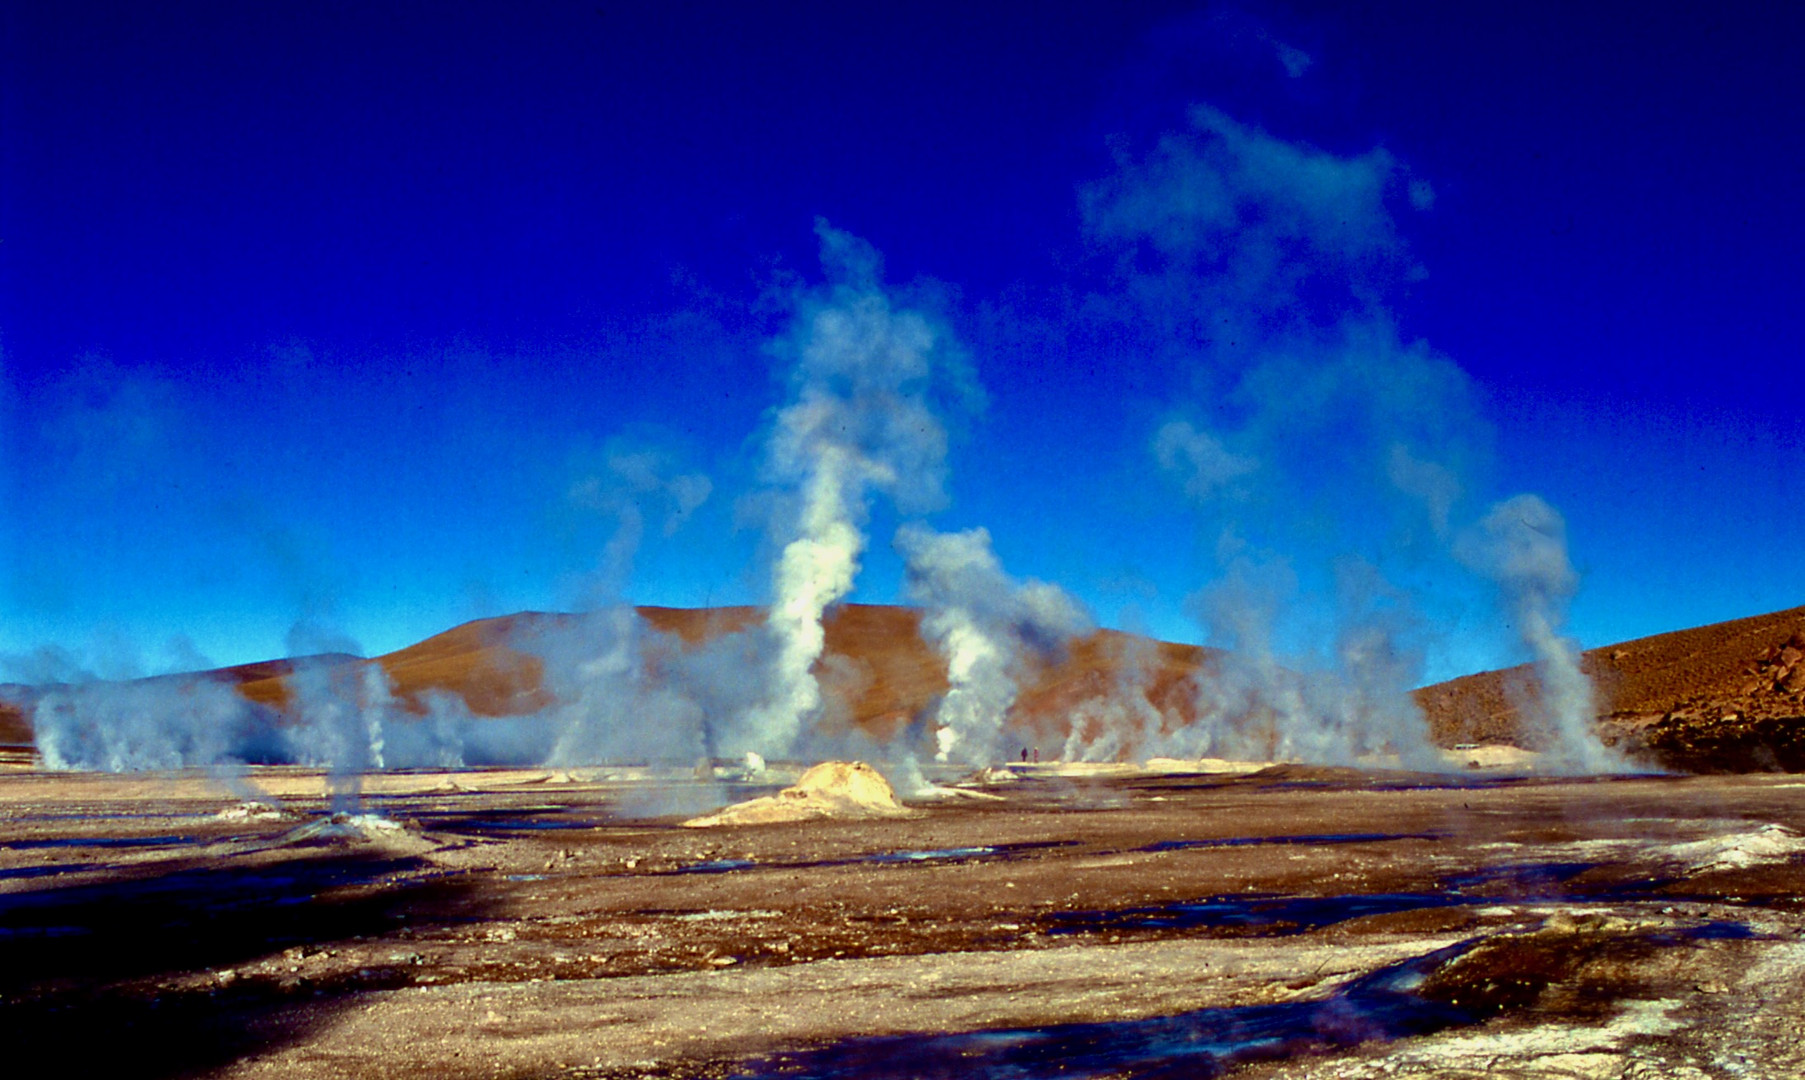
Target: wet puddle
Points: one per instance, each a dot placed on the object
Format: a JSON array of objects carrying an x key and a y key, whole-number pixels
[
  {"x": 557, "y": 818},
  {"x": 1383, "y": 1006},
  {"x": 880, "y": 858},
  {"x": 1264, "y": 912},
  {"x": 1527, "y": 881},
  {"x": 95, "y": 841},
  {"x": 536, "y": 820},
  {"x": 727, "y": 866},
  {"x": 206, "y": 890},
  {"x": 1309, "y": 840},
  {"x": 1277, "y": 914},
  {"x": 100, "y": 815},
  {"x": 1205, "y": 1042},
  {"x": 527, "y": 824}
]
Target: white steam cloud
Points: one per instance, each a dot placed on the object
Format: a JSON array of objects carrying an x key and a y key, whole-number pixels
[
  {"x": 1263, "y": 267},
  {"x": 1123, "y": 722},
  {"x": 340, "y": 713},
  {"x": 1521, "y": 545},
  {"x": 986, "y": 625},
  {"x": 1199, "y": 459},
  {"x": 1266, "y": 266},
  {"x": 630, "y": 485},
  {"x": 860, "y": 421},
  {"x": 171, "y": 722}
]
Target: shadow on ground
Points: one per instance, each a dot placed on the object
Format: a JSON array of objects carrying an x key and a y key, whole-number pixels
[{"x": 115, "y": 978}]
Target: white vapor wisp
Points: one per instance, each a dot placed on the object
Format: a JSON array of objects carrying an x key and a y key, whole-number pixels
[
  {"x": 1123, "y": 723},
  {"x": 860, "y": 421},
  {"x": 1521, "y": 546},
  {"x": 1265, "y": 268},
  {"x": 986, "y": 626},
  {"x": 106, "y": 716},
  {"x": 172, "y": 722},
  {"x": 619, "y": 691},
  {"x": 340, "y": 714},
  {"x": 1351, "y": 705}
]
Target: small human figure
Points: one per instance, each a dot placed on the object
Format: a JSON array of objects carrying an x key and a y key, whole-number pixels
[
  {"x": 1024, "y": 754},
  {"x": 1037, "y": 755}
]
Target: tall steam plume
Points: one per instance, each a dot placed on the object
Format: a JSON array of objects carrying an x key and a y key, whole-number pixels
[
  {"x": 1521, "y": 545},
  {"x": 986, "y": 625},
  {"x": 860, "y": 420}
]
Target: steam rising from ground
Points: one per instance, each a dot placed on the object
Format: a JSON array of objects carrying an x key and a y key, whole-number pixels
[
  {"x": 337, "y": 718},
  {"x": 987, "y": 626},
  {"x": 1266, "y": 266},
  {"x": 1321, "y": 449},
  {"x": 859, "y": 422},
  {"x": 167, "y": 723},
  {"x": 1522, "y": 546}
]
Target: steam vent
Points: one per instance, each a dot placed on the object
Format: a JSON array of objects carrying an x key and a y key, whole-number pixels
[
  {"x": 1002, "y": 541},
  {"x": 909, "y": 915}
]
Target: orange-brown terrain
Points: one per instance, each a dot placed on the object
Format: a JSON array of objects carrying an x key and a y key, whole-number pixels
[
  {"x": 1034, "y": 920},
  {"x": 878, "y": 668},
  {"x": 1729, "y": 697}
]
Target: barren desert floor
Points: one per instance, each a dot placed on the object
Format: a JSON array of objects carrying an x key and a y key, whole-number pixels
[{"x": 1110, "y": 922}]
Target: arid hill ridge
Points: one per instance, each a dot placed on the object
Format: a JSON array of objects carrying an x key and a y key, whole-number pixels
[
  {"x": 1724, "y": 697},
  {"x": 1727, "y": 697}
]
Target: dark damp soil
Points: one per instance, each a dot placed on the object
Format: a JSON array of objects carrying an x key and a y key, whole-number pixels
[
  {"x": 95, "y": 842},
  {"x": 223, "y": 942}
]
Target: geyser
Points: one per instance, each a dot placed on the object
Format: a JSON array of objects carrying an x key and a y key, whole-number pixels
[{"x": 860, "y": 421}]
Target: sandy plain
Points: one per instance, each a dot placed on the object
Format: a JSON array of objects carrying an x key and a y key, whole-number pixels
[{"x": 1052, "y": 922}]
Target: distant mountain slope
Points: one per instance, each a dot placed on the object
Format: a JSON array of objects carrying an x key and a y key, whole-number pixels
[
  {"x": 1729, "y": 697},
  {"x": 1725, "y": 697},
  {"x": 252, "y": 679},
  {"x": 878, "y": 673},
  {"x": 877, "y": 667}
]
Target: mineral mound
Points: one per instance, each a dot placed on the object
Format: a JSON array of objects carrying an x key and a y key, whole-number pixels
[{"x": 832, "y": 789}]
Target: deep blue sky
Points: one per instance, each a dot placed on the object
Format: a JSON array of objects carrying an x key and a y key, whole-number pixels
[{"x": 321, "y": 311}]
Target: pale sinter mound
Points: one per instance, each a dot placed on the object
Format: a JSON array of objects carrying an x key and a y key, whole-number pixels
[{"x": 836, "y": 789}]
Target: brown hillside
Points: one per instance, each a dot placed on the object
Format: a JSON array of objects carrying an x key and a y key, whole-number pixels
[
  {"x": 15, "y": 727},
  {"x": 878, "y": 673},
  {"x": 1719, "y": 698},
  {"x": 260, "y": 681},
  {"x": 875, "y": 658},
  {"x": 1724, "y": 697}
]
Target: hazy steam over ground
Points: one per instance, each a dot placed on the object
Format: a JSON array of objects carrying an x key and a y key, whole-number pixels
[
  {"x": 1329, "y": 464},
  {"x": 986, "y": 626},
  {"x": 1319, "y": 447},
  {"x": 860, "y": 422}
]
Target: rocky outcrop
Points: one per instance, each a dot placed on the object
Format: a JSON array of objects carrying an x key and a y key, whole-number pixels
[
  {"x": 1760, "y": 727},
  {"x": 1728, "y": 697}
]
